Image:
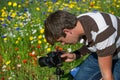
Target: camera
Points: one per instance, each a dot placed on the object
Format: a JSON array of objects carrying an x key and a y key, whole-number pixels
[{"x": 52, "y": 59}]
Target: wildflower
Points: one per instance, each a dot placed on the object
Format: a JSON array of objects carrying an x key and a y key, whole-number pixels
[
  {"x": 18, "y": 56},
  {"x": 21, "y": 24},
  {"x": 8, "y": 62},
  {"x": 42, "y": 31},
  {"x": 13, "y": 15},
  {"x": 5, "y": 39},
  {"x": 16, "y": 49},
  {"x": 18, "y": 65},
  {"x": 19, "y": 6},
  {"x": 32, "y": 54},
  {"x": 9, "y": 3},
  {"x": 25, "y": 9},
  {"x": 48, "y": 49},
  {"x": 14, "y": 4},
  {"x": 38, "y": 9},
  {"x": 39, "y": 42},
  {"x": 9, "y": 78},
  {"x": 38, "y": 46},
  {"x": 18, "y": 28},
  {"x": 31, "y": 38},
  {"x": 4, "y": 25},
  {"x": 45, "y": 40},
  {"x": 24, "y": 61},
  {"x": 59, "y": 48},
  {"x": 40, "y": 36},
  {"x": 3, "y": 78},
  {"x": 9, "y": 18},
  {"x": 17, "y": 42},
  {"x": 69, "y": 49},
  {"x": 19, "y": 38}
]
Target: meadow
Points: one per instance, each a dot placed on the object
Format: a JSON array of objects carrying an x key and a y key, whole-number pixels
[{"x": 22, "y": 40}]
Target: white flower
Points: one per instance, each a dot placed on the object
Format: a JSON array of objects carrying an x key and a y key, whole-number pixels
[
  {"x": 69, "y": 49},
  {"x": 19, "y": 65}
]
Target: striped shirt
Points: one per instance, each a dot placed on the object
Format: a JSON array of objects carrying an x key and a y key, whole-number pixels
[{"x": 102, "y": 32}]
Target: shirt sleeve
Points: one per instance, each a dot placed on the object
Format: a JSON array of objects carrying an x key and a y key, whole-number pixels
[{"x": 105, "y": 42}]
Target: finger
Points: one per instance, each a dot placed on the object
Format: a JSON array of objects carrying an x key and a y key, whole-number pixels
[{"x": 63, "y": 55}]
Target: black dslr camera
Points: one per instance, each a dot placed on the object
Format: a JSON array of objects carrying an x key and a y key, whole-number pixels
[{"x": 52, "y": 59}]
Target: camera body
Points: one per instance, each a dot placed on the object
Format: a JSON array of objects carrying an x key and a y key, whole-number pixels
[{"x": 52, "y": 59}]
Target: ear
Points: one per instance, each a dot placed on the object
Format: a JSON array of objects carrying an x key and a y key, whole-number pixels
[{"x": 67, "y": 31}]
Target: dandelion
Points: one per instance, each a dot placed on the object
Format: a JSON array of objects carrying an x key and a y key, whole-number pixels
[
  {"x": 45, "y": 40},
  {"x": 39, "y": 41},
  {"x": 13, "y": 15},
  {"x": 38, "y": 9},
  {"x": 9, "y": 3},
  {"x": 14, "y": 4},
  {"x": 21, "y": 24},
  {"x": 19, "y": 38},
  {"x": 31, "y": 38},
  {"x": 48, "y": 49},
  {"x": 40, "y": 37},
  {"x": 41, "y": 31},
  {"x": 17, "y": 42},
  {"x": 19, "y": 6},
  {"x": 5, "y": 39},
  {"x": 8, "y": 62}
]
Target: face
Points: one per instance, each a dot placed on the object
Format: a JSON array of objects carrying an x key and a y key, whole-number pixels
[
  {"x": 72, "y": 35},
  {"x": 71, "y": 38}
]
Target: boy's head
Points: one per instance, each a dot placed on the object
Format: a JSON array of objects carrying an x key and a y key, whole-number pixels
[{"x": 56, "y": 22}]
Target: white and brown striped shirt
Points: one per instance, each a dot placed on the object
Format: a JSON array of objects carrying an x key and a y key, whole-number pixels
[{"x": 102, "y": 32}]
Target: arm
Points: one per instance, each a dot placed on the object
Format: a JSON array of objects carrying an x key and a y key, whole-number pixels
[{"x": 105, "y": 64}]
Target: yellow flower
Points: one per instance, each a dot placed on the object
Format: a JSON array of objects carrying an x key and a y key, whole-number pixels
[
  {"x": 117, "y": 6},
  {"x": 14, "y": 4},
  {"x": 15, "y": 25},
  {"x": 38, "y": 9},
  {"x": 42, "y": 31},
  {"x": 45, "y": 40},
  {"x": 48, "y": 49},
  {"x": 19, "y": 38},
  {"x": 39, "y": 42},
  {"x": 13, "y": 15},
  {"x": 31, "y": 38},
  {"x": 4, "y": 8},
  {"x": 40, "y": 36},
  {"x": 17, "y": 42},
  {"x": 9, "y": 3},
  {"x": 19, "y": 6},
  {"x": 21, "y": 24},
  {"x": 8, "y": 62},
  {"x": 5, "y": 39},
  {"x": 2, "y": 19}
]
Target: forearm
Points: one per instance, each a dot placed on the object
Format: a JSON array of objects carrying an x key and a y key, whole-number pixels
[
  {"x": 81, "y": 52},
  {"x": 105, "y": 64}
]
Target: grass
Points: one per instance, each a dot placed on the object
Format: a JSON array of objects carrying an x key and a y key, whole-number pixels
[{"x": 22, "y": 39}]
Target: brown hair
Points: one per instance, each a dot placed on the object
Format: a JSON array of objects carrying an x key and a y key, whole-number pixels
[{"x": 56, "y": 22}]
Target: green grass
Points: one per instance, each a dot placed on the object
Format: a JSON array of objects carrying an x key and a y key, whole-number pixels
[{"x": 22, "y": 39}]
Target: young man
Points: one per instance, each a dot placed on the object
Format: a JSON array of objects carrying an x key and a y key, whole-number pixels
[{"x": 101, "y": 34}]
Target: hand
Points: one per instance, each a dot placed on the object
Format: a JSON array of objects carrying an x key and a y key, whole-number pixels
[{"x": 69, "y": 57}]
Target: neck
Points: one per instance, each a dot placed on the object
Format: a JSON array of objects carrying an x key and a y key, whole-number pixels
[{"x": 79, "y": 28}]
